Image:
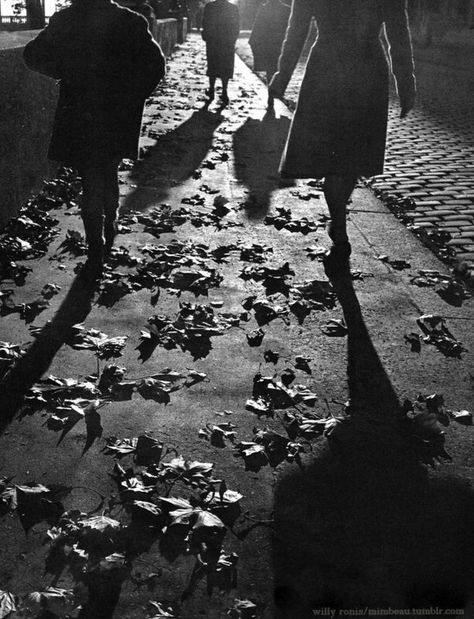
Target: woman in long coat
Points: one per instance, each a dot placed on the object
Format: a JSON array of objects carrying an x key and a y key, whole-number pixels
[
  {"x": 339, "y": 127},
  {"x": 107, "y": 64},
  {"x": 220, "y": 29},
  {"x": 267, "y": 36}
]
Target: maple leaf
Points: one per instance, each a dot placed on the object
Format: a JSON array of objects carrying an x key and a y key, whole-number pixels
[
  {"x": 74, "y": 243},
  {"x": 52, "y": 599},
  {"x": 318, "y": 293},
  {"x": 92, "y": 339},
  {"x": 9, "y": 354},
  {"x": 271, "y": 357},
  {"x": 463, "y": 417},
  {"x": 98, "y": 535},
  {"x": 36, "y": 503},
  {"x": 218, "y": 434},
  {"x": 49, "y": 290},
  {"x": 259, "y": 406},
  {"x": 111, "y": 375},
  {"x": 437, "y": 333},
  {"x": 255, "y": 337},
  {"x": 243, "y": 609},
  {"x": 7, "y": 604},
  {"x": 254, "y": 455},
  {"x": 152, "y": 389},
  {"x": 225, "y": 504},
  {"x": 194, "y": 473},
  {"x": 302, "y": 363},
  {"x": 334, "y": 328}
]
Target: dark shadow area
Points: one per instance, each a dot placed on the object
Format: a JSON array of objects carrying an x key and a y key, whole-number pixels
[
  {"x": 174, "y": 159},
  {"x": 31, "y": 367},
  {"x": 445, "y": 85},
  {"x": 363, "y": 524},
  {"x": 258, "y": 145}
]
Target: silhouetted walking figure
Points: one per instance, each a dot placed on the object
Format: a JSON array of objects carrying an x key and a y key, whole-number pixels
[
  {"x": 107, "y": 64},
  {"x": 220, "y": 29},
  {"x": 339, "y": 127},
  {"x": 267, "y": 37}
]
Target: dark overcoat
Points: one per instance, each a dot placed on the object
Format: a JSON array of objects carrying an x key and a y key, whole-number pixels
[
  {"x": 340, "y": 122},
  {"x": 220, "y": 29},
  {"x": 107, "y": 64},
  {"x": 267, "y": 35}
]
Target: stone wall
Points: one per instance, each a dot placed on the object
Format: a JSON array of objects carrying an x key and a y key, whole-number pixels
[{"x": 27, "y": 104}]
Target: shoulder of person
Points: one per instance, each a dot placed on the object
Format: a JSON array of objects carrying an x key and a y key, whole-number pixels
[
  {"x": 62, "y": 15},
  {"x": 132, "y": 18}
]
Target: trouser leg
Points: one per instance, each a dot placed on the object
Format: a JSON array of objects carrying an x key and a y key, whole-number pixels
[
  {"x": 225, "y": 96},
  {"x": 337, "y": 191},
  {"x": 270, "y": 97},
  {"x": 92, "y": 209},
  {"x": 212, "y": 85}
]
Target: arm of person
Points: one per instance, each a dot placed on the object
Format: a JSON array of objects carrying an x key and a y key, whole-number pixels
[
  {"x": 235, "y": 24},
  {"x": 42, "y": 53},
  {"x": 296, "y": 33},
  {"x": 401, "y": 52},
  {"x": 150, "y": 60},
  {"x": 205, "y": 23}
]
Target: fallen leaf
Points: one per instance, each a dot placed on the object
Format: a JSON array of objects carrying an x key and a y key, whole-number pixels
[
  {"x": 463, "y": 417},
  {"x": 242, "y": 609},
  {"x": 334, "y": 328},
  {"x": 7, "y": 604},
  {"x": 271, "y": 357},
  {"x": 255, "y": 337}
]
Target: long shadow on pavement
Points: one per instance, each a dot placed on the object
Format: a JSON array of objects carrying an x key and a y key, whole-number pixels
[
  {"x": 39, "y": 356},
  {"x": 258, "y": 145},
  {"x": 363, "y": 525},
  {"x": 173, "y": 159}
]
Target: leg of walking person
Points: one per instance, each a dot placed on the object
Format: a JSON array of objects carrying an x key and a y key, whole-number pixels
[
  {"x": 92, "y": 210},
  {"x": 337, "y": 191},
  {"x": 271, "y": 99},
  {"x": 111, "y": 204},
  {"x": 225, "y": 96},
  {"x": 212, "y": 85}
]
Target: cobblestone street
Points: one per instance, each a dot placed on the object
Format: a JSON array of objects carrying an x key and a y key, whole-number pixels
[{"x": 430, "y": 156}]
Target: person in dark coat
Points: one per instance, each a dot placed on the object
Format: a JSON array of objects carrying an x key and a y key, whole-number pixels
[
  {"x": 107, "y": 64},
  {"x": 267, "y": 37},
  {"x": 220, "y": 29},
  {"x": 339, "y": 127}
]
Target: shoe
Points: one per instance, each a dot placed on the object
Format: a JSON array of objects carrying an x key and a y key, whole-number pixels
[{"x": 225, "y": 99}]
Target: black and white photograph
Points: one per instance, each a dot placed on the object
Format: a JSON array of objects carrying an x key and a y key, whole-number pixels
[{"x": 236, "y": 309}]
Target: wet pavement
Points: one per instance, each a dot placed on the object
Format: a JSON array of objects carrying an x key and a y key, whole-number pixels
[{"x": 257, "y": 378}]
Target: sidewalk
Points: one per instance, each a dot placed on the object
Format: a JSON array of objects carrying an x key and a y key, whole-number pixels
[{"x": 363, "y": 522}]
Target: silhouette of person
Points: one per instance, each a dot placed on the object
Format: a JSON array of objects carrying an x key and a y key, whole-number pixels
[
  {"x": 107, "y": 64},
  {"x": 142, "y": 8},
  {"x": 339, "y": 128},
  {"x": 267, "y": 36},
  {"x": 220, "y": 29}
]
